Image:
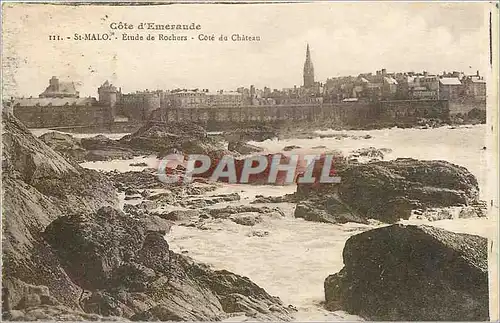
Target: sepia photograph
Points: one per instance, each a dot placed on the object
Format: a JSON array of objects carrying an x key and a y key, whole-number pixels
[{"x": 311, "y": 161}]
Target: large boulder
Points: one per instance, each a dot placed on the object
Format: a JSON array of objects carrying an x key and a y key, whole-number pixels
[
  {"x": 390, "y": 190},
  {"x": 412, "y": 273},
  {"x": 98, "y": 142},
  {"x": 101, "y": 241},
  {"x": 328, "y": 210},
  {"x": 65, "y": 144},
  {"x": 163, "y": 139},
  {"x": 101, "y": 148},
  {"x": 255, "y": 133},
  {"x": 97, "y": 148}
]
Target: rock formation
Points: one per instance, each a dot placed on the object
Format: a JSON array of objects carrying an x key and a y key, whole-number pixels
[
  {"x": 163, "y": 139},
  {"x": 131, "y": 273},
  {"x": 96, "y": 148},
  {"x": 62, "y": 230},
  {"x": 256, "y": 133},
  {"x": 389, "y": 190},
  {"x": 39, "y": 186},
  {"x": 243, "y": 148},
  {"x": 412, "y": 273}
]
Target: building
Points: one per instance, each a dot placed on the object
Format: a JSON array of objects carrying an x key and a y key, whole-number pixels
[
  {"x": 139, "y": 105},
  {"x": 423, "y": 87},
  {"x": 224, "y": 99},
  {"x": 60, "y": 106},
  {"x": 109, "y": 95},
  {"x": 57, "y": 89},
  {"x": 475, "y": 88},
  {"x": 389, "y": 87},
  {"x": 203, "y": 99},
  {"x": 450, "y": 88},
  {"x": 308, "y": 70},
  {"x": 187, "y": 98}
]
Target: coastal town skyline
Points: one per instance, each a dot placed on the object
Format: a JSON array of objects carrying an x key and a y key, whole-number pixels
[{"x": 340, "y": 46}]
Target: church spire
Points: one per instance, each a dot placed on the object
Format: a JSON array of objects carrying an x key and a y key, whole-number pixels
[{"x": 308, "y": 70}]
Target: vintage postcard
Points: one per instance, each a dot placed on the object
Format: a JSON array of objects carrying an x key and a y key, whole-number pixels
[{"x": 258, "y": 161}]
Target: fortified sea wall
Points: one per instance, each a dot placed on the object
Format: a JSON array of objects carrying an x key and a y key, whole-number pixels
[
  {"x": 351, "y": 114},
  {"x": 348, "y": 114},
  {"x": 63, "y": 116}
]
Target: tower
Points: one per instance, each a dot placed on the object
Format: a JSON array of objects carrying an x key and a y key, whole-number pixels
[
  {"x": 308, "y": 70},
  {"x": 108, "y": 96},
  {"x": 54, "y": 84}
]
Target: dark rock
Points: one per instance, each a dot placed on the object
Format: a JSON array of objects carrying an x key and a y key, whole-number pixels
[
  {"x": 131, "y": 191},
  {"x": 330, "y": 210},
  {"x": 65, "y": 144},
  {"x": 243, "y": 148},
  {"x": 274, "y": 199},
  {"x": 208, "y": 200},
  {"x": 93, "y": 239},
  {"x": 165, "y": 198},
  {"x": 103, "y": 155},
  {"x": 258, "y": 233},
  {"x": 257, "y": 133},
  {"x": 248, "y": 219},
  {"x": 142, "y": 164},
  {"x": 412, "y": 273},
  {"x": 219, "y": 198},
  {"x": 153, "y": 222},
  {"x": 164, "y": 139},
  {"x": 145, "y": 179},
  {"x": 292, "y": 147},
  {"x": 133, "y": 197},
  {"x": 389, "y": 190},
  {"x": 229, "y": 210},
  {"x": 181, "y": 215},
  {"x": 96, "y": 148},
  {"x": 371, "y": 152},
  {"x": 99, "y": 142}
]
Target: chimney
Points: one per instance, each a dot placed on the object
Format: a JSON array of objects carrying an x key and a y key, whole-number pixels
[{"x": 477, "y": 73}]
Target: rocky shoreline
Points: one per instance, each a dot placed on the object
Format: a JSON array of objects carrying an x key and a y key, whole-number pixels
[
  {"x": 62, "y": 229},
  {"x": 64, "y": 226}
]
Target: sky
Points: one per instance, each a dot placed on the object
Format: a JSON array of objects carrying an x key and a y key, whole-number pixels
[{"x": 345, "y": 39}]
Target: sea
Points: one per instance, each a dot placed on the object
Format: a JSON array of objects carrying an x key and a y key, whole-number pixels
[{"x": 289, "y": 257}]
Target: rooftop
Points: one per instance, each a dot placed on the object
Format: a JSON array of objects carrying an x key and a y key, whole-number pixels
[
  {"x": 450, "y": 81},
  {"x": 60, "y": 89},
  {"x": 390, "y": 80}
]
